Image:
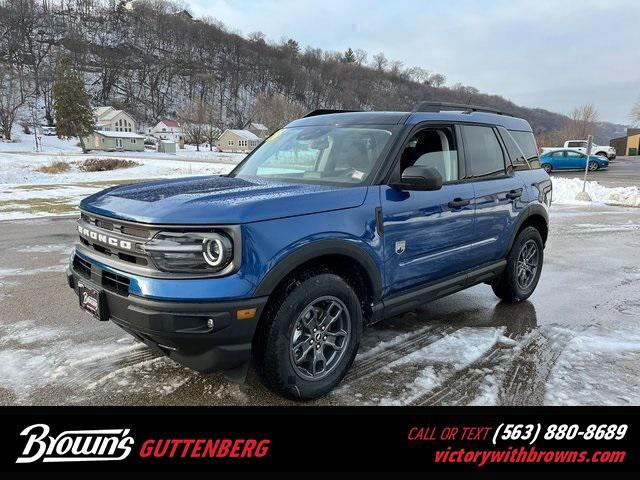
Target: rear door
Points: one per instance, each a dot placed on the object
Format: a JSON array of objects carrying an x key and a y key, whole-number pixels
[
  {"x": 427, "y": 234},
  {"x": 497, "y": 192}
]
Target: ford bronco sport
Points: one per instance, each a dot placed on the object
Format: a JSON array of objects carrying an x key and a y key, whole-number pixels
[{"x": 334, "y": 222}]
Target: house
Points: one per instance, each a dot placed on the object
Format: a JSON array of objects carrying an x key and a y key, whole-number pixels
[
  {"x": 115, "y": 141},
  {"x": 629, "y": 144},
  {"x": 168, "y": 129},
  {"x": 109, "y": 119},
  {"x": 237, "y": 141},
  {"x": 258, "y": 129}
]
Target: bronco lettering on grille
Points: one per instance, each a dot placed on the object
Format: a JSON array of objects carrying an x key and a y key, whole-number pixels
[{"x": 106, "y": 239}]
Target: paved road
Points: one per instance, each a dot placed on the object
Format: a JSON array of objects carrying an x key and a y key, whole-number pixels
[
  {"x": 622, "y": 172},
  {"x": 576, "y": 341}
]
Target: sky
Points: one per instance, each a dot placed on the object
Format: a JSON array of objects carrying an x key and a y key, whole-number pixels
[{"x": 543, "y": 53}]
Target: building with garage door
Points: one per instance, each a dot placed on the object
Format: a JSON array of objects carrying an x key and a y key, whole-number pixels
[{"x": 629, "y": 144}]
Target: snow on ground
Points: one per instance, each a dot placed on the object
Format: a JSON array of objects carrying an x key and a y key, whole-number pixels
[
  {"x": 598, "y": 367},
  {"x": 566, "y": 189},
  {"x": 27, "y": 193}
]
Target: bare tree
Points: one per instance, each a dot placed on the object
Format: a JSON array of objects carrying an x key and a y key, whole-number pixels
[
  {"x": 275, "y": 110},
  {"x": 635, "y": 113},
  {"x": 380, "y": 62},
  {"x": 583, "y": 121},
  {"x": 12, "y": 98},
  {"x": 193, "y": 117}
]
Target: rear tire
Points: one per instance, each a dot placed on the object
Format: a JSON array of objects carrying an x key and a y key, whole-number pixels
[
  {"x": 290, "y": 343},
  {"x": 547, "y": 167},
  {"x": 524, "y": 266}
]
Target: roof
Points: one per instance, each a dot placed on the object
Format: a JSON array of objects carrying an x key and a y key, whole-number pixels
[
  {"x": 258, "y": 126},
  {"x": 100, "y": 111},
  {"x": 246, "y": 134},
  {"x": 105, "y": 114},
  {"x": 411, "y": 118},
  {"x": 110, "y": 134},
  {"x": 170, "y": 123}
]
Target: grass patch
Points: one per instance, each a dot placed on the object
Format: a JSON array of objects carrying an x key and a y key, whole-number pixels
[
  {"x": 105, "y": 164},
  {"x": 38, "y": 205},
  {"x": 58, "y": 166}
]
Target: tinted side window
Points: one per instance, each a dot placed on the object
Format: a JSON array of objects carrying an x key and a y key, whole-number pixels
[
  {"x": 527, "y": 143},
  {"x": 482, "y": 151}
]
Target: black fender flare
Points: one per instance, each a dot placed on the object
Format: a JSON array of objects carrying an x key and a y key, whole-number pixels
[
  {"x": 318, "y": 249},
  {"x": 529, "y": 211}
]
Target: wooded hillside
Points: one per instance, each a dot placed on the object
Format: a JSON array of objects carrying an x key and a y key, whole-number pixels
[{"x": 151, "y": 57}]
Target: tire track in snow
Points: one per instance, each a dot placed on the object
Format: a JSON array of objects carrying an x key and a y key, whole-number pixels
[
  {"x": 398, "y": 350},
  {"x": 93, "y": 370},
  {"x": 526, "y": 379},
  {"x": 464, "y": 385}
]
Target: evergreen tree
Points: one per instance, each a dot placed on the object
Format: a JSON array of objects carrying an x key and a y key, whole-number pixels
[
  {"x": 74, "y": 117},
  {"x": 349, "y": 56}
]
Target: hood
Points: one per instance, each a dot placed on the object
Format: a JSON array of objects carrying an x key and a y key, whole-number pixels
[{"x": 219, "y": 200}]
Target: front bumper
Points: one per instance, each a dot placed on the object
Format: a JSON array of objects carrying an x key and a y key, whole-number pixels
[{"x": 179, "y": 329}]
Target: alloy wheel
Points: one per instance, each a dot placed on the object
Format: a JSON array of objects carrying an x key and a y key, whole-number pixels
[
  {"x": 527, "y": 264},
  {"x": 320, "y": 337}
]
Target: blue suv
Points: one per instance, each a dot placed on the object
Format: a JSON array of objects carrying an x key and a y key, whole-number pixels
[{"x": 336, "y": 221}]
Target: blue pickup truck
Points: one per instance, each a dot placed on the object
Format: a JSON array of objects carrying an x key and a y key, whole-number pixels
[{"x": 336, "y": 221}]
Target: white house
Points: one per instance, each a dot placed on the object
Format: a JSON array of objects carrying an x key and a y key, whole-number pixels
[
  {"x": 167, "y": 129},
  {"x": 109, "y": 119}
]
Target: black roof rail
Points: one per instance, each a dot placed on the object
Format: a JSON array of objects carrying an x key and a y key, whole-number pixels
[
  {"x": 428, "y": 106},
  {"x": 324, "y": 111}
]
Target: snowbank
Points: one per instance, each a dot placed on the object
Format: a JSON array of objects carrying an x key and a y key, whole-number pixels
[{"x": 565, "y": 190}]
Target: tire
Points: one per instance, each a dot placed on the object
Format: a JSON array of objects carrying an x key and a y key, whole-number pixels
[
  {"x": 593, "y": 166},
  {"x": 547, "y": 167},
  {"x": 509, "y": 286},
  {"x": 285, "y": 326},
  {"x": 603, "y": 154}
]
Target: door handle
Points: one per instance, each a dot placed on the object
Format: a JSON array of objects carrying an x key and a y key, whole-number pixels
[
  {"x": 513, "y": 194},
  {"x": 458, "y": 203}
]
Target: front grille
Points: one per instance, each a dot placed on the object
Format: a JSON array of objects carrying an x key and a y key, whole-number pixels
[
  {"x": 115, "y": 282},
  {"x": 136, "y": 235}
]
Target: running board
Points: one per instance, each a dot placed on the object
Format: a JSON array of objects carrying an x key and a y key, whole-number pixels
[{"x": 409, "y": 301}]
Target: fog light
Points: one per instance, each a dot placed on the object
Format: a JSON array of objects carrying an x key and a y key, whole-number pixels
[{"x": 210, "y": 323}]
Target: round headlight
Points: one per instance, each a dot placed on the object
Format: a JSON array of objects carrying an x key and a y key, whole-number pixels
[{"x": 217, "y": 250}]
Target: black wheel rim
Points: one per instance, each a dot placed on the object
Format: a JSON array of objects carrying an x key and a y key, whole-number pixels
[
  {"x": 320, "y": 337},
  {"x": 527, "y": 264}
]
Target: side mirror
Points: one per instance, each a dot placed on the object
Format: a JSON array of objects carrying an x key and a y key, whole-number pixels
[{"x": 420, "y": 178}]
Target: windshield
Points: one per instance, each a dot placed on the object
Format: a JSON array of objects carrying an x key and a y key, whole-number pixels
[{"x": 319, "y": 154}]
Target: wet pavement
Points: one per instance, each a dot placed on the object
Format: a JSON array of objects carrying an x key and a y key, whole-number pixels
[
  {"x": 576, "y": 341},
  {"x": 622, "y": 172}
]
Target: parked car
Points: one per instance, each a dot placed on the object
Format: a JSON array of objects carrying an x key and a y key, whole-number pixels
[
  {"x": 335, "y": 222},
  {"x": 48, "y": 131},
  {"x": 571, "y": 160},
  {"x": 581, "y": 146}
]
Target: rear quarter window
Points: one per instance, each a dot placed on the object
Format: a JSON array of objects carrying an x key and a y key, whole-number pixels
[{"x": 527, "y": 146}]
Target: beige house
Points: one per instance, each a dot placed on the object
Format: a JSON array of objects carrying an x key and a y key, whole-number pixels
[
  {"x": 258, "y": 129},
  {"x": 109, "y": 119},
  {"x": 237, "y": 141}
]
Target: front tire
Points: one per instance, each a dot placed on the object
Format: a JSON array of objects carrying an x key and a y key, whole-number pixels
[
  {"x": 524, "y": 266},
  {"x": 593, "y": 166},
  {"x": 309, "y": 337}
]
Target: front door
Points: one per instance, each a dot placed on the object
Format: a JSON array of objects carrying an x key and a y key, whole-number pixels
[{"x": 427, "y": 233}]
